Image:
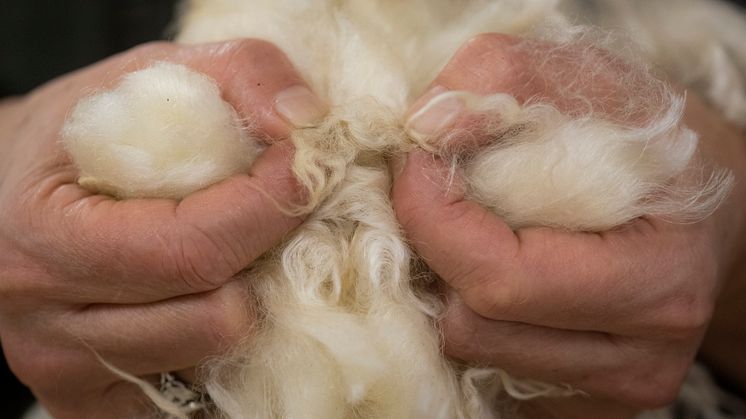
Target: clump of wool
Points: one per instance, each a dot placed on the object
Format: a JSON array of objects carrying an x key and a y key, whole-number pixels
[
  {"x": 542, "y": 167},
  {"x": 163, "y": 132}
]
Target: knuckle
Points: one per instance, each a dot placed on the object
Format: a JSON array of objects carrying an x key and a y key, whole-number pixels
[
  {"x": 489, "y": 290},
  {"x": 22, "y": 279},
  {"x": 656, "y": 385},
  {"x": 227, "y": 317},
  {"x": 489, "y": 301},
  {"x": 700, "y": 312},
  {"x": 198, "y": 259},
  {"x": 688, "y": 316},
  {"x": 459, "y": 335}
]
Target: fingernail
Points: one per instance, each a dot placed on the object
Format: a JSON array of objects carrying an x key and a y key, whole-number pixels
[
  {"x": 439, "y": 113},
  {"x": 299, "y": 106}
]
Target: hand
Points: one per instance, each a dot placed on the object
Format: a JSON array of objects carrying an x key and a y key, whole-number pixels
[
  {"x": 618, "y": 314},
  {"x": 145, "y": 284}
]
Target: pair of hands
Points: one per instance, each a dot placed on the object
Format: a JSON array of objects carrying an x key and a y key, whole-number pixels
[{"x": 148, "y": 283}]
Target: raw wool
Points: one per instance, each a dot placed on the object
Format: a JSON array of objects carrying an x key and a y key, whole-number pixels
[
  {"x": 581, "y": 173},
  {"x": 344, "y": 334},
  {"x": 164, "y": 132},
  {"x": 347, "y": 328}
]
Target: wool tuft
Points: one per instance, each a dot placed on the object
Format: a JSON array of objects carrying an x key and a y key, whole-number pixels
[
  {"x": 542, "y": 167},
  {"x": 164, "y": 132}
]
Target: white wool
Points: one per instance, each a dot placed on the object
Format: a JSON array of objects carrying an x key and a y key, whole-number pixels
[
  {"x": 347, "y": 325},
  {"x": 582, "y": 173},
  {"x": 164, "y": 132}
]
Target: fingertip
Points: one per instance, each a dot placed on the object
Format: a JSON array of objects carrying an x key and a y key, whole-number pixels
[{"x": 300, "y": 107}]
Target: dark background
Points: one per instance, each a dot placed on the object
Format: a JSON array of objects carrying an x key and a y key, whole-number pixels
[{"x": 42, "y": 39}]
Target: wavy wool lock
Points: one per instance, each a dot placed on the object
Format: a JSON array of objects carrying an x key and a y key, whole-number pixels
[{"x": 347, "y": 331}]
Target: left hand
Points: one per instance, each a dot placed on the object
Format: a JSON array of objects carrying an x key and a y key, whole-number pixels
[
  {"x": 146, "y": 284},
  {"x": 618, "y": 314}
]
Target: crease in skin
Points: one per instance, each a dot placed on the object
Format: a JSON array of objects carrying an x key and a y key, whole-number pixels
[{"x": 347, "y": 329}]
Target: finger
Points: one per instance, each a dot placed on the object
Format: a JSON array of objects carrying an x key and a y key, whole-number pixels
[
  {"x": 602, "y": 365},
  {"x": 65, "y": 400},
  {"x": 80, "y": 348},
  {"x": 171, "y": 335},
  {"x": 578, "y": 78},
  {"x": 135, "y": 251},
  {"x": 536, "y": 275}
]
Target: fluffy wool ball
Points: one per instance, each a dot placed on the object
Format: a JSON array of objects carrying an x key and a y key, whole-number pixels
[
  {"x": 163, "y": 132},
  {"x": 584, "y": 174}
]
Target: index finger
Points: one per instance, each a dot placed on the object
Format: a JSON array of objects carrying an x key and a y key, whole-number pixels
[{"x": 579, "y": 79}]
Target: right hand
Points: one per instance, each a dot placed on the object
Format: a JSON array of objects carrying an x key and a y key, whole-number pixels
[
  {"x": 617, "y": 314},
  {"x": 146, "y": 284}
]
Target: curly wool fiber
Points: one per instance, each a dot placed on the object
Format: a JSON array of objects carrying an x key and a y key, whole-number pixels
[{"x": 347, "y": 327}]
